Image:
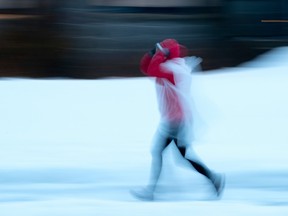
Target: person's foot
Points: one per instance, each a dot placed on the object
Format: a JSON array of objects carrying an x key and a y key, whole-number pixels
[
  {"x": 218, "y": 181},
  {"x": 143, "y": 193}
]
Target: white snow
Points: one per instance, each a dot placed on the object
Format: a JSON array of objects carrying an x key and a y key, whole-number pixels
[{"x": 76, "y": 147}]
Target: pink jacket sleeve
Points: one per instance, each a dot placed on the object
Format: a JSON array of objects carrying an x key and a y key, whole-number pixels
[{"x": 151, "y": 66}]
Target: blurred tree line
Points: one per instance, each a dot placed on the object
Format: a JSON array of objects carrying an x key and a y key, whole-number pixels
[{"x": 59, "y": 38}]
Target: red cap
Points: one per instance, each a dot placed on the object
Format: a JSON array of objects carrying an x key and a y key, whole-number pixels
[{"x": 176, "y": 50}]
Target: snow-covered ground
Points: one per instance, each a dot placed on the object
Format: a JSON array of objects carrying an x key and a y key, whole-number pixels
[{"x": 76, "y": 147}]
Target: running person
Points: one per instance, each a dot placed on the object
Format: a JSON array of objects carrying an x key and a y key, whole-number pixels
[{"x": 173, "y": 78}]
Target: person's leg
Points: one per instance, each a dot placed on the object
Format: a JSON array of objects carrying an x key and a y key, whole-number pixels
[
  {"x": 197, "y": 164},
  {"x": 216, "y": 179},
  {"x": 157, "y": 156},
  {"x": 159, "y": 145}
]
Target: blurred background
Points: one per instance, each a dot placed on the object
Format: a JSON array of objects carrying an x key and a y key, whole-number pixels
[{"x": 103, "y": 38}]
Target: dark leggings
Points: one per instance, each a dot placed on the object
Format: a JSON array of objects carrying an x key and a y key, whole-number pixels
[{"x": 200, "y": 168}]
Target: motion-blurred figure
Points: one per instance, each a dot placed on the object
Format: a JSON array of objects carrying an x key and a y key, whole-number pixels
[{"x": 172, "y": 70}]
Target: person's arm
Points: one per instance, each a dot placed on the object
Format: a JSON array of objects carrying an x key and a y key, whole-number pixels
[
  {"x": 155, "y": 70},
  {"x": 144, "y": 64}
]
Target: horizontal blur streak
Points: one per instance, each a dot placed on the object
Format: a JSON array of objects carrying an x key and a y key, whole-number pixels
[
  {"x": 15, "y": 16},
  {"x": 92, "y": 39},
  {"x": 153, "y": 3}
]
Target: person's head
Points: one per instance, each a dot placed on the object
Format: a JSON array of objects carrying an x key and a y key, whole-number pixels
[{"x": 175, "y": 49}]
